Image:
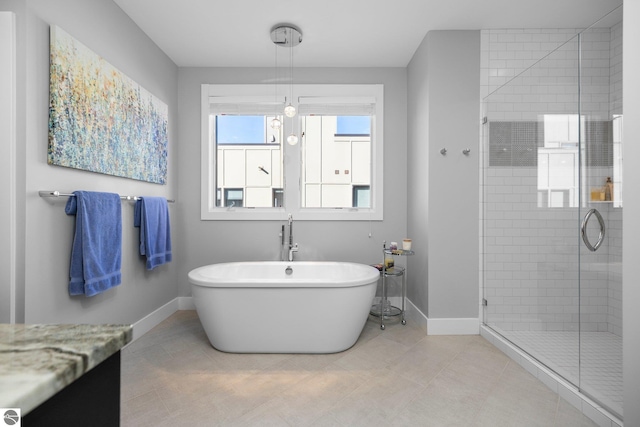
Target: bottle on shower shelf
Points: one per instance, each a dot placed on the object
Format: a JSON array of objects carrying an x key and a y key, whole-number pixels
[{"x": 608, "y": 189}]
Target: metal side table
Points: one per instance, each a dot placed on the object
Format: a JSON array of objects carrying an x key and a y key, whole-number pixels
[{"x": 385, "y": 309}]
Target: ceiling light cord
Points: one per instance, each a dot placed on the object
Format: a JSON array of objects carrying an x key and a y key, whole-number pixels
[
  {"x": 276, "y": 124},
  {"x": 293, "y": 138}
]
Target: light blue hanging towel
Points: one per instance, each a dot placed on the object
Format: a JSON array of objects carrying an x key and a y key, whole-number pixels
[
  {"x": 96, "y": 254},
  {"x": 151, "y": 214}
]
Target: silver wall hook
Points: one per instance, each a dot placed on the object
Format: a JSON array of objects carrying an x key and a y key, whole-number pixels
[
  {"x": 466, "y": 151},
  {"x": 443, "y": 151}
]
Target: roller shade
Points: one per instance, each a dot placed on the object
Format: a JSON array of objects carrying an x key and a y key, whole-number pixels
[
  {"x": 249, "y": 105},
  {"x": 336, "y": 106}
]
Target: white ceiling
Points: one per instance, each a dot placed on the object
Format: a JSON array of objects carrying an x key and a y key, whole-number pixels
[{"x": 336, "y": 33}]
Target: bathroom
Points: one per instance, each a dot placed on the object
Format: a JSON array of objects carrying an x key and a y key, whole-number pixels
[{"x": 446, "y": 293}]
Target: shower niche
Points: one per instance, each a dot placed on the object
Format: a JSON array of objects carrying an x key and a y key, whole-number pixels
[{"x": 551, "y": 141}]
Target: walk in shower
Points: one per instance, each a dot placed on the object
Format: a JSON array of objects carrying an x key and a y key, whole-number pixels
[{"x": 552, "y": 198}]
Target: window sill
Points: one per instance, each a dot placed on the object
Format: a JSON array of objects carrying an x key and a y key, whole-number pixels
[{"x": 281, "y": 214}]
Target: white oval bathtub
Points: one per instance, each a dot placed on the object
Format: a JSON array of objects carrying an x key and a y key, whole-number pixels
[{"x": 256, "y": 307}]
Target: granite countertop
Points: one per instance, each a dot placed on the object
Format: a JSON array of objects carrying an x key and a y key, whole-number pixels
[{"x": 37, "y": 361}]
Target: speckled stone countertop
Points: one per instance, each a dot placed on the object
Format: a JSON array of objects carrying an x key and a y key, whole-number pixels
[{"x": 37, "y": 361}]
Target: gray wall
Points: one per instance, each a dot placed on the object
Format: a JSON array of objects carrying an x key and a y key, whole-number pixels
[
  {"x": 418, "y": 162},
  {"x": 631, "y": 243},
  {"x": 444, "y": 92},
  {"x": 207, "y": 242},
  {"x": 44, "y": 230}
]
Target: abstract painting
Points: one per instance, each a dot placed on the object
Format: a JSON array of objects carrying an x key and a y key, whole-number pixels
[{"x": 99, "y": 119}]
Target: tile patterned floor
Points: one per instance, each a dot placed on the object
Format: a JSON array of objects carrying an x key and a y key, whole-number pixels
[
  {"x": 397, "y": 377},
  {"x": 599, "y": 361}
]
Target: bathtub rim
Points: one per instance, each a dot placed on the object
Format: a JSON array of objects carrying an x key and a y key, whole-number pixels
[{"x": 369, "y": 275}]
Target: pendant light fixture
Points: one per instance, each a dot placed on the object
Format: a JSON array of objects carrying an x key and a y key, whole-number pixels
[{"x": 288, "y": 36}]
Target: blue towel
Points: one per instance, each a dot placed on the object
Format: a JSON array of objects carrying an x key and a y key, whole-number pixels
[
  {"x": 151, "y": 214},
  {"x": 96, "y": 254}
]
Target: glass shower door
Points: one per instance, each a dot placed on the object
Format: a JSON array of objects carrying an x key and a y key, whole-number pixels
[
  {"x": 531, "y": 197},
  {"x": 601, "y": 213}
]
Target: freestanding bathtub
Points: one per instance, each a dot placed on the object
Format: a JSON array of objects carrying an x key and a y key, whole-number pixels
[{"x": 283, "y": 307}]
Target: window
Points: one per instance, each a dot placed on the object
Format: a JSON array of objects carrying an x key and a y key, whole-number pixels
[
  {"x": 336, "y": 160},
  {"x": 241, "y": 130},
  {"x": 361, "y": 196},
  {"x": 278, "y": 197},
  {"x": 353, "y": 125},
  {"x": 248, "y": 157},
  {"x": 333, "y": 173},
  {"x": 233, "y": 197}
]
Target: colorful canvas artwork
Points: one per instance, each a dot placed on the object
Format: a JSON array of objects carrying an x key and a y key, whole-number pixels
[{"x": 99, "y": 119}]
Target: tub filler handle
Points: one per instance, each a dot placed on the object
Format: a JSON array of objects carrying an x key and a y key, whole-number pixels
[
  {"x": 292, "y": 250},
  {"x": 288, "y": 270}
]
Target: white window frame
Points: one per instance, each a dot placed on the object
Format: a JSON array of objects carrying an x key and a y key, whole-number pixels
[{"x": 327, "y": 93}]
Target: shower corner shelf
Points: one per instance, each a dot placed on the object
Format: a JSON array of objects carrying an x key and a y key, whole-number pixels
[{"x": 384, "y": 309}]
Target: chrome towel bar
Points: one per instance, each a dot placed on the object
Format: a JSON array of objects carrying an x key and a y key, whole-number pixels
[{"x": 56, "y": 193}]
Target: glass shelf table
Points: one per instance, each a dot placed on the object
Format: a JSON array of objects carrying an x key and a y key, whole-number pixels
[{"x": 385, "y": 309}]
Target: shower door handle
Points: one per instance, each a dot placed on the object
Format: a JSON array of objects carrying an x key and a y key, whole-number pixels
[{"x": 583, "y": 230}]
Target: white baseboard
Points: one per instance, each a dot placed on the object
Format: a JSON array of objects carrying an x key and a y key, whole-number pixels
[
  {"x": 416, "y": 316},
  {"x": 465, "y": 326},
  {"x": 448, "y": 326},
  {"x": 154, "y": 318}
]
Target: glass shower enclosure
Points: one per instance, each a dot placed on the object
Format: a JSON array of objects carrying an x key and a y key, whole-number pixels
[{"x": 552, "y": 204}]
